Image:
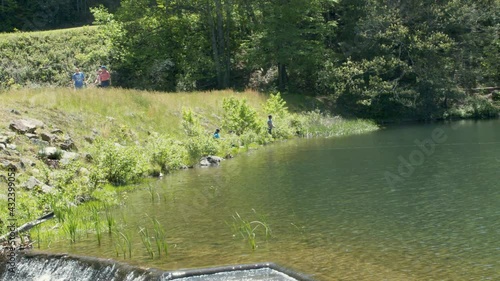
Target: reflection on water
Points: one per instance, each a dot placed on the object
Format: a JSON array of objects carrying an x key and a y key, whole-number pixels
[{"x": 339, "y": 209}]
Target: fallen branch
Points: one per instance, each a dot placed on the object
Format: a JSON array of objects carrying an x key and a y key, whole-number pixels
[{"x": 27, "y": 226}]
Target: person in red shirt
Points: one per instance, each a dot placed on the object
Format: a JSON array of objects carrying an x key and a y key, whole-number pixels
[{"x": 104, "y": 77}]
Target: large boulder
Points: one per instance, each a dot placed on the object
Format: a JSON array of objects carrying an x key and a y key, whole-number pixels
[
  {"x": 210, "y": 161},
  {"x": 23, "y": 126},
  {"x": 33, "y": 183}
]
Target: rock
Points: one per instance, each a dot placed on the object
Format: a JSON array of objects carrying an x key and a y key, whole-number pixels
[
  {"x": 47, "y": 188},
  {"x": 47, "y": 137},
  {"x": 89, "y": 157},
  {"x": 39, "y": 142},
  {"x": 214, "y": 159},
  {"x": 210, "y": 161},
  {"x": 89, "y": 139},
  {"x": 31, "y": 183},
  {"x": 204, "y": 162},
  {"x": 32, "y": 136},
  {"x": 15, "y": 112},
  {"x": 68, "y": 145},
  {"x": 2, "y": 146},
  {"x": 56, "y": 131},
  {"x": 67, "y": 157},
  {"x": 8, "y": 165},
  {"x": 11, "y": 146},
  {"x": 23, "y": 126},
  {"x": 26, "y": 163},
  {"x": 83, "y": 171},
  {"x": 51, "y": 152},
  {"x": 52, "y": 163}
]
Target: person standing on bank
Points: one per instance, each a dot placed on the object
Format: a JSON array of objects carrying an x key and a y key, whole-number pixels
[
  {"x": 270, "y": 125},
  {"x": 104, "y": 77},
  {"x": 78, "y": 78}
]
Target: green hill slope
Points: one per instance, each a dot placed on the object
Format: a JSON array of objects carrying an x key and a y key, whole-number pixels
[{"x": 49, "y": 58}]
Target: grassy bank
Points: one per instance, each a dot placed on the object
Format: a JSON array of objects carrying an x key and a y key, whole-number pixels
[{"x": 121, "y": 137}]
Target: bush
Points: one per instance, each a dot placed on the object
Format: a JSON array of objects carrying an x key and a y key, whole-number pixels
[
  {"x": 166, "y": 152},
  {"x": 239, "y": 117},
  {"x": 201, "y": 146},
  {"x": 191, "y": 123},
  {"x": 118, "y": 164}
]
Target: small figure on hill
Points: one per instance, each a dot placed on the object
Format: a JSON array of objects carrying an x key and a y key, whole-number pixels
[
  {"x": 270, "y": 125},
  {"x": 78, "y": 78},
  {"x": 217, "y": 134},
  {"x": 105, "y": 77}
]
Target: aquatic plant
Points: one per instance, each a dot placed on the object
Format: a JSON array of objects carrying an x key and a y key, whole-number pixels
[
  {"x": 146, "y": 241},
  {"x": 96, "y": 221},
  {"x": 72, "y": 223},
  {"x": 110, "y": 220},
  {"x": 248, "y": 229},
  {"x": 124, "y": 242},
  {"x": 160, "y": 238}
]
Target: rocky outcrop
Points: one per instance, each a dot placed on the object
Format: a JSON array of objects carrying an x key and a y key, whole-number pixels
[{"x": 23, "y": 126}]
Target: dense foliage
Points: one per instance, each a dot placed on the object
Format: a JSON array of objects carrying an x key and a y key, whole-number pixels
[
  {"x": 371, "y": 58},
  {"x": 49, "y": 58}
]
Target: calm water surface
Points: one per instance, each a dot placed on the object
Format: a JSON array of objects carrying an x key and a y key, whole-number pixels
[{"x": 338, "y": 208}]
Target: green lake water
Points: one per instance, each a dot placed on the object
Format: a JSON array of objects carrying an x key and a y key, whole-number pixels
[{"x": 338, "y": 208}]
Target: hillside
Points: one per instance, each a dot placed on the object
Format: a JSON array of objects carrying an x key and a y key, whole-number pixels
[{"x": 48, "y": 58}]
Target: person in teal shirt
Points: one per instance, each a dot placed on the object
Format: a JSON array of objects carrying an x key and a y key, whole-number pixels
[
  {"x": 217, "y": 134},
  {"x": 78, "y": 78}
]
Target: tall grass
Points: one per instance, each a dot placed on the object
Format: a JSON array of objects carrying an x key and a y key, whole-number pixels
[
  {"x": 72, "y": 223},
  {"x": 110, "y": 220},
  {"x": 140, "y": 110},
  {"x": 96, "y": 221}
]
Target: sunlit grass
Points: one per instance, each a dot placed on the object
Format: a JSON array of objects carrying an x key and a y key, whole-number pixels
[{"x": 141, "y": 111}]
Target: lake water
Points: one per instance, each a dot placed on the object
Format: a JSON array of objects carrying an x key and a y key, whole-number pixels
[{"x": 369, "y": 207}]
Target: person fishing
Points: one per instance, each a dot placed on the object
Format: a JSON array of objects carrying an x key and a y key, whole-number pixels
[
  {"x": 217, "y": 134},
  {"x": 270, "y": 124}
]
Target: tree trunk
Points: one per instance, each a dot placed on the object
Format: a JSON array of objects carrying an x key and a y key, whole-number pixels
[
  {"x": 282, "y": 77},
  {"x": 215, "y": 51},
  {"x": 221, "y": 44}
]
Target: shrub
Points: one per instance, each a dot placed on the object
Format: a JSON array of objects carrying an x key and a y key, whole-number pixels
[
  {"x": 191, "y": 123},
  {"x": 239, "y": 117},
  {"x": 200, "y": 147},
  {"x": 118, "y": 164},
  {"x": 166, "y": 152}
]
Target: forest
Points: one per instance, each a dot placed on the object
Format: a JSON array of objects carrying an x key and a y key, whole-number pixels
[{"x": 425, "y": 59}]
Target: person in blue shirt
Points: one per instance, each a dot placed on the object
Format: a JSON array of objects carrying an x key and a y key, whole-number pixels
[
  {"x": 216, "y": 134},
  {"x": 78, "y": 78}
]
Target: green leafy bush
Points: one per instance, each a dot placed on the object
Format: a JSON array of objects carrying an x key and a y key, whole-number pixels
[
  {"x": 239, "y": 116},
  {"x": 167, "y": 153},
  {"x": 118, "y": 164},
  {"x": 201, "y": 146},
  {"x": 191, "y": 123}
]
